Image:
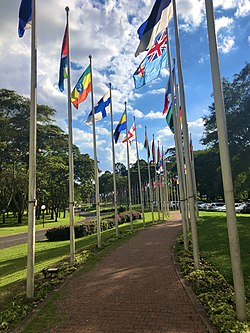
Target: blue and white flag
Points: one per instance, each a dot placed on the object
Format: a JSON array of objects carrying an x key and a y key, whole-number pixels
[
  {"x": 102, "y": 109},
  {"x": 155, "y": 60},
  {"x": 25, "y": 15},
  {"x": 157, "y": 21}
]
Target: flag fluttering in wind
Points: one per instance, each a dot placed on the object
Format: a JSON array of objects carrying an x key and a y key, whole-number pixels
[
  {"x": 146, "y": 145},
  {"x": 102, "y": 109},
  {"x": 191, "y": 148},
  {"x": 157, "y": 21},
  {"x": 25, "y": 16},
  {"x": 82, "y": 88},
  {"x": 120, "y": 127},
  {"x": 153, "y": 150},
  {"x": 168, "y": 92},
  {"x": 158, "y": 155},
  {"x": 169, "y": 118},
  {"x": 131, "y": 135},
  {"x": 64, "y": 60},
  {"x": 151, "y": 65}
]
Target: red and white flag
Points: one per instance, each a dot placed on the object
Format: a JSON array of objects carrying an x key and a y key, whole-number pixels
[{"x": 131, "y": 135}]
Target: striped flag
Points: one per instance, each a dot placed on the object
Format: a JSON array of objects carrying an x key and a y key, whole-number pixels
[
  {"x": 82, "y": 88},
  {"x": 64, "y": 59}
]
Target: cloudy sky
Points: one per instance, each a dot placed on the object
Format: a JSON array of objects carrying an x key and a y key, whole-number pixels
[{"x": 107, "y": 29}]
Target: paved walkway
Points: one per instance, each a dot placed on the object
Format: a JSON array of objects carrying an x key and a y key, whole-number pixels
[{"x": 135, "y": 289}]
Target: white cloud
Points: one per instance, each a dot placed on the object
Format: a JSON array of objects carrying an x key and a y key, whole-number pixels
[
  {"x": 243, "y": 8},
  {"x": 226, "y": 43},
  {"x": 154, "y": 115},
  {"x": 223, "y": 22}
]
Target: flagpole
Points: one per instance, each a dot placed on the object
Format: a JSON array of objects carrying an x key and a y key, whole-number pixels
[
  {"x": 139, "y": 176},
  {"x": 179, "y": 152},
  {"x": 193, "y": 174},
  {"x": 226, "y": 167},
  {"x": 190, "y": 187},
  {"x": 97, "y": 195},
  {"x": 32, "y": 159},
  {"x": 150, "y": 184},
  {"x": 113, "y": 162},
  {"x": 129, "y": 179},
  {"x": 156, "y": 188},
  {"x": 71, "y": 158},
  {"x": 164, "y": 182},
  {"x": 166, "y": 188},
  {"x": 160, "y": 181}
]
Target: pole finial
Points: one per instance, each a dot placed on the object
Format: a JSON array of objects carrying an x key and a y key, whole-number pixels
[{"x": 67, "y": 9}]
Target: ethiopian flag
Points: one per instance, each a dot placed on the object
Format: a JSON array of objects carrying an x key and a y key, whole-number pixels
[{"x": 82, "y": 88}]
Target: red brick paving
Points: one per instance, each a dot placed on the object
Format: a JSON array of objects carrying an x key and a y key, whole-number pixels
[{"x": 135, "y": 289}]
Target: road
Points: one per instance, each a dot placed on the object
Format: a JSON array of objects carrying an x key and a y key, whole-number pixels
[
  {"x": 22, "y": 238},
  {"x": 17, "y": 239}
]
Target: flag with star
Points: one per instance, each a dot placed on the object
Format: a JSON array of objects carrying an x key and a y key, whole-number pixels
[{"x": 156, "y": 59}]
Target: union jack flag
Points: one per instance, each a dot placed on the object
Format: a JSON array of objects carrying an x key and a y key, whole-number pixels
[{"x": 158, "y": 47}]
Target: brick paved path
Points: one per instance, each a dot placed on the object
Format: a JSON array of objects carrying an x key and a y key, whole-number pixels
[{"x": 134, "y": 289}]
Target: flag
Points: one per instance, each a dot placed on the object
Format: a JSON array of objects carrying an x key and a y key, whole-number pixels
[
  {"x": 82, "y": 88},
  {"x": 169, "y": 118},
  {"x": 168, "y": 92},
  {"x": 153, "y": 150},
  {"x": 102, "y": 109},
  {"x": 151, "y": 65},
  {"x": 180, "y": 115},
  {"x": 25, "y": 15},
  {"x": 191, "y": 148},
  {"x": 64, "y": 59},
  {"x": 158, "y": 155},
  {"x": 146, "y": 145},
  {"x": 120, "y": 127},
  {"x": 131, "y": 135},
  {"x": 157, "y": 21}
]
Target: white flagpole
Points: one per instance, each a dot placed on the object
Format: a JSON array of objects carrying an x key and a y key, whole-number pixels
[
  {"x": 160, "y": 183},
  {"x": 193, "y": 175},
  {"x": 156, "y": 188},
  {"x": 190, "y": 187},
  {"x": 97, "y": 195},
  {"x": 226, "y": 167},
  {"x": 113, "y": 162},
  {"x": 139, "y": 176},
  {"x": 129, "y": 179},
  {"x": 165, "y": 185},
  {"x": 179, "y": 152},
  {"x": 150, "y": 184},
  {"x": 32, "y": 159},
  {"x": 71, "y": 158}
]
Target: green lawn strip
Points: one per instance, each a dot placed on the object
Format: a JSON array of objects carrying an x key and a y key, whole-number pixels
[
  {"x": 11, "y": 227},
  {"x": 13, "y": 269},
  {"x": 214, "y": 244},
  {"x": 212, "y": 282}
]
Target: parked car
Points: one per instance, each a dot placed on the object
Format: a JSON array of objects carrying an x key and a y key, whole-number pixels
[
  {"x": 214, "y": 205},
  {"x": 246, "y": 208},
  {"x": 239, "y": 207}
]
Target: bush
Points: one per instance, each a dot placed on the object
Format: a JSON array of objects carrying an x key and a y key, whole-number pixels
[
  {"x": 121, "y": 209},
  {"x": 88, "y": 228}
]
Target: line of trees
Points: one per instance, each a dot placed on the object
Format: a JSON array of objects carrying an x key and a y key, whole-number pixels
[
  {"x": 52, "y": 155},
  {"x": 52, "y": 160}
]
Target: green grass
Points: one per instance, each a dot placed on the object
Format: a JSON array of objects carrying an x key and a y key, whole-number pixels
[
  {"x": 11, "y": 226},
  {"x": 214, "y": 244},
  {"x": 13, "y": 260},
  {"x": 13, "y": 268}
]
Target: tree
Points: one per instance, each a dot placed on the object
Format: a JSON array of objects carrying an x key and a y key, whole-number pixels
[{"x": 237, "y": 106}]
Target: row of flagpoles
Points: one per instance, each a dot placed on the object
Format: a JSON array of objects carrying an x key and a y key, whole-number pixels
[{"x": 154, "y": 39}]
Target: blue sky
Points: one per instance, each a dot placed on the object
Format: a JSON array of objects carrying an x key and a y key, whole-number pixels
[{"x": 108, "y": 31}]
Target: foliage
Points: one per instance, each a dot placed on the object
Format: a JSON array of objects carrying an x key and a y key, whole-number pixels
[
  {"x": 237, "y": 106},
  {"x": 52, "y": 160},
  {"x": 88, "y": 228},
  {"x": 213, "y": 291}
]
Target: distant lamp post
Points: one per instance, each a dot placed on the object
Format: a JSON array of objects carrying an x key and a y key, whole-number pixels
[{"x": 43, "y": 209}]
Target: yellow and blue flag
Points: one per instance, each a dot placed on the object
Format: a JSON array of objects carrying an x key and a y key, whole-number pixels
[
  {"x": 155, "y": 60},
  {"x": 120, "y": 127},
  {"x": 25, "y": 15}
]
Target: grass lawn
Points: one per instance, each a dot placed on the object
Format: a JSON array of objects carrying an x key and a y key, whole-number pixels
[
  {"x": 214, "y": 245},
  {"x": 11, "y": 226}
]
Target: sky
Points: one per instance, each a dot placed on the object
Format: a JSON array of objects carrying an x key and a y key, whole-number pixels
[{"x": 107, "y": 30}]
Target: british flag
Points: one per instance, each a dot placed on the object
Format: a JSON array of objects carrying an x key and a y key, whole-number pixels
[{"x": 158, "y": 47}]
